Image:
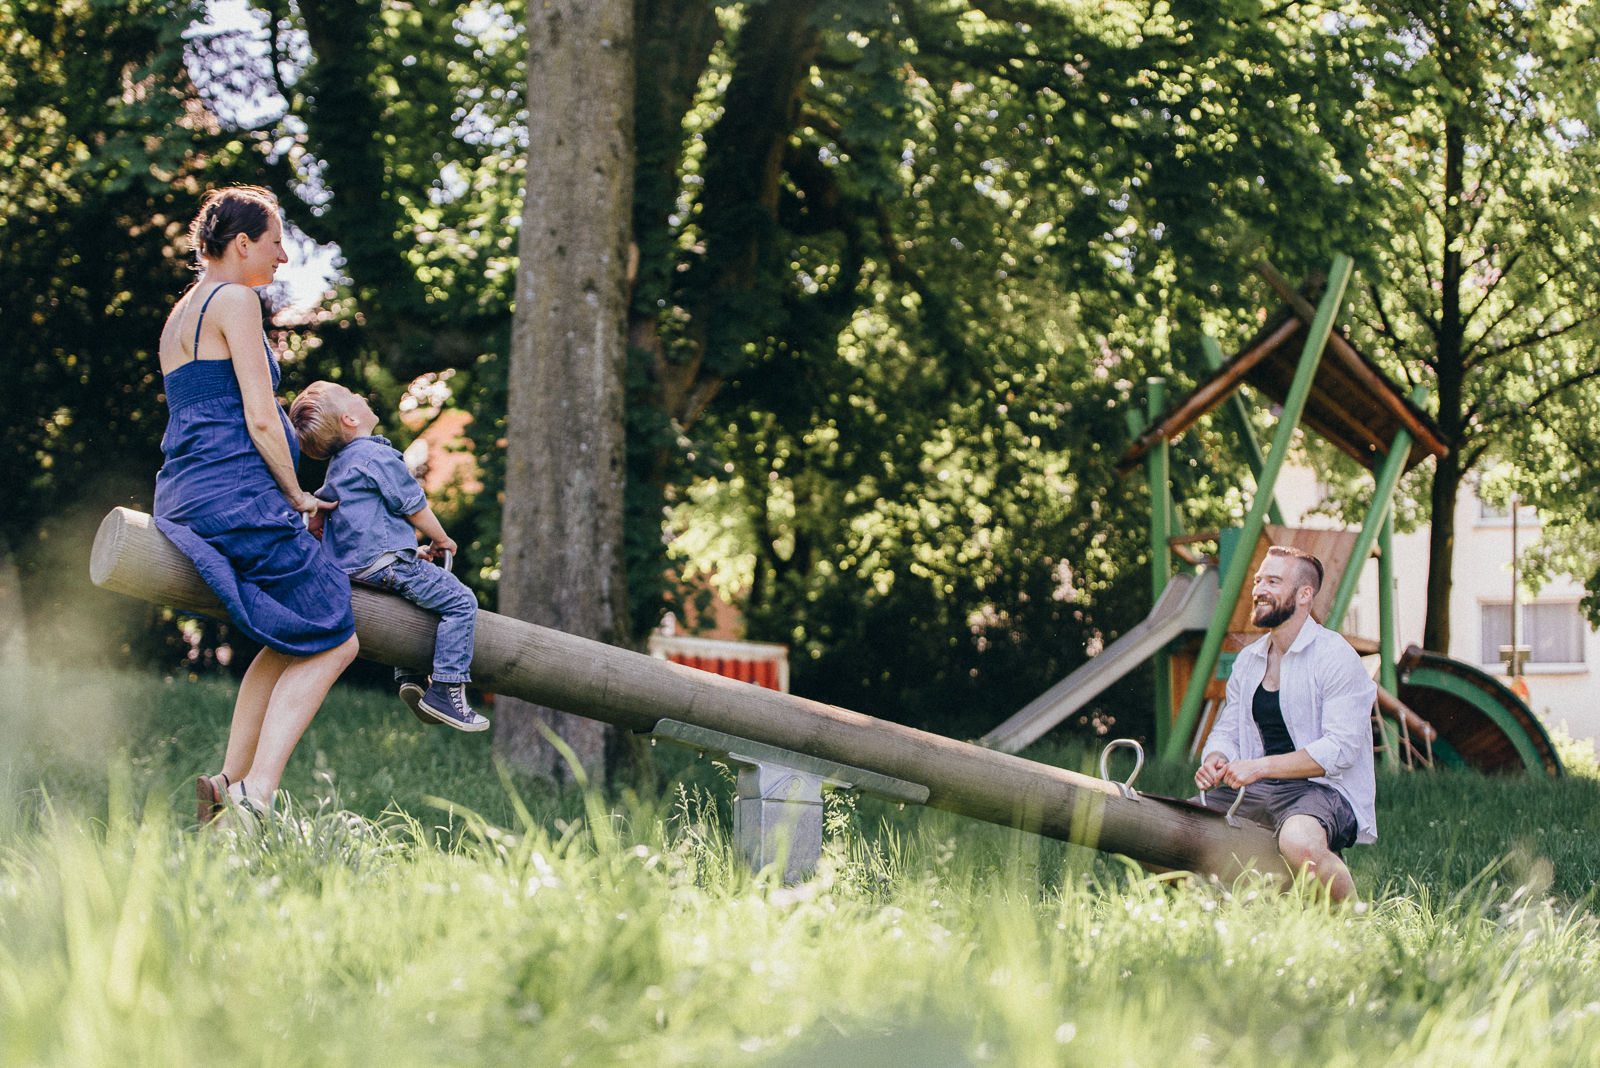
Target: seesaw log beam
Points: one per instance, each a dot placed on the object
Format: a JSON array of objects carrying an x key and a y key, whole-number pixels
[{"x": 633, "y": 691}]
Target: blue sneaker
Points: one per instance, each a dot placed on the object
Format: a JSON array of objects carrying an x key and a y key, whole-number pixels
[
  {"x": 446, "y": 702},
  {"x": 412, "y": 687}
]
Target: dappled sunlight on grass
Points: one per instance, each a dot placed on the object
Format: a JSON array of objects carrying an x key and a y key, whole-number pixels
[
  {"x": 491, "y": 925},
  {"x": 337, "y": 940}
]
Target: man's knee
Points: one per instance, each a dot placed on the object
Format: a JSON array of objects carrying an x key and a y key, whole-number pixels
[{"x": 1302, "y": 840}]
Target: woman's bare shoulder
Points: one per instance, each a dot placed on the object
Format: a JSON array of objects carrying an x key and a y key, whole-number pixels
[
  {"x": 171, "y": 348},
  {"x": 227, "y": 299},
  {"x": 232, "y": 298}
]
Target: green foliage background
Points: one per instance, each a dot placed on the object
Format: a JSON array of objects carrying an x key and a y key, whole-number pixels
[{"x": 902, "y": 270}]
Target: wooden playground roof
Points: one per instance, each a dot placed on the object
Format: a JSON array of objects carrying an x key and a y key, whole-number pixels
[{"x": 1352, "y": 403}]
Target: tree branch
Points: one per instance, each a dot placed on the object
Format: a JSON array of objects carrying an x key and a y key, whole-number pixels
[
  {"x": 1489, "y": 292},
  {"x": 1535, "y": 337},
  {"x": 274, "y": 57},
  {"x": 1388, "y": 327},
  {"x": 1470, "y": 459},
  {"x": 1468, "y": 360},
  {"x": 1422, "y": 261},
  {"x": 933, "y": 304},
  {"x": 1490, "y": 163},
  {"x": 1532, "y": 407},
  {"x": 1428, "y": 320}
]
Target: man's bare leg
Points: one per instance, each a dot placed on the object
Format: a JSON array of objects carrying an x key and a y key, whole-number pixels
[
  {"x": 1304, "y": 844},
  {"x": 295, "y": 698}
]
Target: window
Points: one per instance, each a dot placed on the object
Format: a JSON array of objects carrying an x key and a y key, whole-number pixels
[
  {"x": 1553, "y": 630},
  {"x": 1500, "y": 515},
  {"x": 1496, "y": 631}
]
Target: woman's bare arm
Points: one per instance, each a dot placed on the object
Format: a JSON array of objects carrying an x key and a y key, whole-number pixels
[{"x": 238, "y": 313}]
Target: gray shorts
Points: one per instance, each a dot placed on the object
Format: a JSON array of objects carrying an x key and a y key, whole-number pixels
[{"x": 1271, "y": 801}]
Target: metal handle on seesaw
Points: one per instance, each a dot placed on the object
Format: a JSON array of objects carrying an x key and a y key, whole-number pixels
[
  {"x": 1233, "y": 821},
  {"x": 1126, "y": 786},
  {"x": 449, "y": 558}
]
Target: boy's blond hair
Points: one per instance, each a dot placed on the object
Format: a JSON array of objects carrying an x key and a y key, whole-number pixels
[{"x": 315, "y": 415}]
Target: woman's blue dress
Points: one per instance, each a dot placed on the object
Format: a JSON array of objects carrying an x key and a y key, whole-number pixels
[{"x": 218, "y": 502}]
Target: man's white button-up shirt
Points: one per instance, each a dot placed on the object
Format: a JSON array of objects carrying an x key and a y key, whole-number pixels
[{"x": 1327, "y": 697}]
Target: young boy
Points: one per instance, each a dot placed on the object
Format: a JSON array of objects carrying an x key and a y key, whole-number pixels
[{"x": 370, "y": 536}]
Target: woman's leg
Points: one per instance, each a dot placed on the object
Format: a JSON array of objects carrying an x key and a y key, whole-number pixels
[
  {"x": 250, "y": 709},
  {"x": 299, "y": 691}
]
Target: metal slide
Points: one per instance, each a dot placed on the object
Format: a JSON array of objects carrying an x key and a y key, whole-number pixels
[{"x": 1186, "y": 604}]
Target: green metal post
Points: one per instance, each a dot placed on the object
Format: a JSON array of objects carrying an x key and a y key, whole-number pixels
[
  {"x": 1394, "y": 466},
  {"x": 1160, "y": 552},
  {"x": 1388, "y": 611},
  {"x": 1388, "y": 633},
  {"x": 1155, "y": 465},
  {"x": 1233, "y": 581},
  {"x": 1247, "y": 433},
  {"x": 1136, "y": 425}
]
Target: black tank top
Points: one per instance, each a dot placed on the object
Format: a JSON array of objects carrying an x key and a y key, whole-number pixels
[{"x": 1267, "y": 710}]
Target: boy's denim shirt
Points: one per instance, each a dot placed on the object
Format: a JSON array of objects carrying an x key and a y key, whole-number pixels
[{"x": 368, "y": 478}]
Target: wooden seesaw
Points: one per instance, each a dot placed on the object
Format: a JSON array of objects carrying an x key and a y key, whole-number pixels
[{"x": 787, "y": 748}]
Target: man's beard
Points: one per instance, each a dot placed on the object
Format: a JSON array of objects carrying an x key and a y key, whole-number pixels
[{"x": 1273, "y": 614}]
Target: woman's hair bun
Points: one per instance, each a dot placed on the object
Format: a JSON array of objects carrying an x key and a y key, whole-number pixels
[{"x": 227, "y": 213}]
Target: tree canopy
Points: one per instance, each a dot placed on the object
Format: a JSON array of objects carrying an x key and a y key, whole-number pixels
[
  {"x": 1483, "y": 279},
  {"x": 900, "y": 271}
]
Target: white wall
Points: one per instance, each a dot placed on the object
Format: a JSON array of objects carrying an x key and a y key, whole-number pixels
[{"x": 1567, "y": 693}]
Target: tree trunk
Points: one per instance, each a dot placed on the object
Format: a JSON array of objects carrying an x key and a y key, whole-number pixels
[
  {"x": 344, "y": 120},
  {"x": 562, "y": 527},
  {"x": 673, "y": 40},
  {"x": 1450, "y": 370},
  {"x": 13, "y": 617},
  {"x": 743, "y": 169},
  {"x": 1442, "y": 552}
]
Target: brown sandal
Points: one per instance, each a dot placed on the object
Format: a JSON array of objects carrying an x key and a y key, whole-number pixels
[{"x": 212, "y": 801}]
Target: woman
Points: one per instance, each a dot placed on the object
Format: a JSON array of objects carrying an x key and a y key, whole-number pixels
[{"x": 228, "y": 498}]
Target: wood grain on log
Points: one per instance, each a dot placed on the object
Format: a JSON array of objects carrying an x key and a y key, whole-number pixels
[{"x": 633, "y": 691}]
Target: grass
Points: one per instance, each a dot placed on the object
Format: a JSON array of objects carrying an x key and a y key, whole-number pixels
[{"x": 370, "y": 928}]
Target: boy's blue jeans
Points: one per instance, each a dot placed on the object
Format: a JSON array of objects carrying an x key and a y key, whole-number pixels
[{"x": 430, "y": 586}]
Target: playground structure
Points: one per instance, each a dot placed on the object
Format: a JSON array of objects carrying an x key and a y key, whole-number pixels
[
  {"x": 787, "y": 748},
  {"x": 1482, "y": 724},
  {"x": 1201, "y": 619},
  {"x": 760, "y": 663}
]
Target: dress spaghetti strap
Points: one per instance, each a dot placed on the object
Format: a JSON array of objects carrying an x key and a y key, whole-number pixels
[{"x": 195, "y": 355}]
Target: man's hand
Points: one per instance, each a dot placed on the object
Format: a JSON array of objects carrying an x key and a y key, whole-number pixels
[
  {"x": 1244, "y": 772},
  {"x": 1210, "y": 771}
]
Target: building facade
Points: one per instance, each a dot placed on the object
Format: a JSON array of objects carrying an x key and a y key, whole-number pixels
[{"x": 1563, "y": 651}]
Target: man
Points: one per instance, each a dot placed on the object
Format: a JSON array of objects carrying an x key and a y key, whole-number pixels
[{"x": 1295, "y": 730}]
